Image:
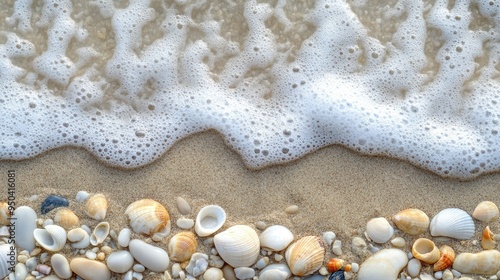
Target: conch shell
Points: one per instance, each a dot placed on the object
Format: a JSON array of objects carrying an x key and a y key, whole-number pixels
[
  {"x": 412, "y": 221},
  {"x": 148, "y": 217},
  {"x": 425, "y": 250},
  {"x": 306, "y": 255},
  {"x": 488, "y": 239},
  {"x": 445, "y": 259}
]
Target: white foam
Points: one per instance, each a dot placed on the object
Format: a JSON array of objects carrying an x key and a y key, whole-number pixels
[{"x": 246, "y": 76}]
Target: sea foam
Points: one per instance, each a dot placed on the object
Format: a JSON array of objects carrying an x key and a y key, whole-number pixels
[{"x": 415, "y": 80}]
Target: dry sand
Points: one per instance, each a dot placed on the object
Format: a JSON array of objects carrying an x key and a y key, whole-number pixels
[{"x": 336, "y": 189}]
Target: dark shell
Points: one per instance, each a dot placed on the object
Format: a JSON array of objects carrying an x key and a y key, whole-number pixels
[
  {"x": 53, "y": 202},
  {"x": 337, "y": 275}
]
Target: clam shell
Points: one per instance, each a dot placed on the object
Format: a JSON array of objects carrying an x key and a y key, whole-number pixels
[
  {"x": 209, "y": 220},
  {"x": 182, "y": 245},
  {"x": 275, "y": 238},
  {"x": 238, "y": 246},
  {"x": 148, "y": 217},
  {"x": 486, "y": 211},
  {"x": 446, "y": 258},
  {"x": 6, "y": 260},
  {"x": 213, "y": 273},
  {"x": 383, "y": 265},
  {"x": 425, "y": 250},
  {"x": 51, "y": 238},
  {"x": 488, "y": 239},
  {"x": 101, "y": 231},
  {"x": 306, "y": 255},
  {"x": 66, "y": 218},
  {"x": 96, "y": 207},
  {"x": 453, "y": 222},
  {"x": 379, "y": 230},
  {"x": 484, "y": 262},
  {"x": 411, "y": 221}
]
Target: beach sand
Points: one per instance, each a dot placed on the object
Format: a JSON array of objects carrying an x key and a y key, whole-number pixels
[{"x": 335, "y": 189}]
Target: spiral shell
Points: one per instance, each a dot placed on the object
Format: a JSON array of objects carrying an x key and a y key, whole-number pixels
[
  {"x": 238, "y": 246},
  {"x": 306, "y": 255},
  {"x": 66, "y": 218},
  {"x": 182, "y": 246},
  {"x": 486, "y": 211},
  {"x": 425, "y": 250},
  {"x": 51, "y": 238},
  {"x": 445, "y": 259},
  {"x": 453, "y": 222},
  {"x": 488, "y": 239},
  {"x": 96, "y": 207},
  {"x": 411, "y": 221},
  {"x": 148, "y": 217},
  {"x": 334, "y": 264}
]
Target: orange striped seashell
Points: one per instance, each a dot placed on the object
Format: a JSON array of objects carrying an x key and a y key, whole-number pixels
[
  {"x": 334, "y": 264},
  {"x": 446, "y": 258},
  {"x": 488, "y": 239}
]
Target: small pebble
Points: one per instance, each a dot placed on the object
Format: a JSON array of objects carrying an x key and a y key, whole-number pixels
[
  {"x": 138, "y": 268},
  {"x": 354, "y": 267},
  {"x": 292, "y": 209},
  {"x": 185, "y": 223},
  {"x": 398, "y": 242},
  {"x": 261, "y": 225},
  {"x": 81, "y": 196},
  {"x": 262, "y": 263},
  {"x": 53, "y": 202},
  {"x": 323, "y": 271},
  {"x": 244, "y": 272},
  {"x": 278, "y": 257},
  {"x": 183, "y": 206},
  {"x": 329, "y": 236},
  {"x": 90, "y": 255},
  {"x": 337, "y": 247}
]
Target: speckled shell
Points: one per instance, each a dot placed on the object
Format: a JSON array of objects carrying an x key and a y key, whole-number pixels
[
  {"x": 181, "y": 246},
  {"x": 446, "y": 258},
  {"x": 411, "y": 221},
  {"x": 306, "y": 255},
  {"x": 238, "y": 246},
  {"x": 425, "y": 250},
  {"x": 96, "y": 207},
  {"x": 66, "y": 218},
  {"x": 488, "y": 239},
  {"x": 453, "y": 222},
  {"x": 486, "y": 211},
  {"x": 148, "y": 217}
]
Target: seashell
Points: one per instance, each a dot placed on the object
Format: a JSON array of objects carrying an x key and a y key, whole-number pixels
[
  {"x": 328, "y": 237},
  {"x": 383, "y": 265},
  {"x": 53, "y": 202},
  {"x": 25, "y": 218},
  {"x": 120, "y": 261},
  {"x": 197, "y": 264},
  {"x": 66, "y": 218},
  {"x": 5, "y": 213},
  {"x": 148, "y": 217},
  {"x": 276, "y": 238},
  {"x": 306, "y": 255},
  {"x": 182, "y": 246},
  {"x": 90, "y": 269},
  {"x": 399, "y": 242},
  {"x": 124, "y": 237},
  {"x": 209, "y": 220},
  {"x": 334, "y": 264},
  {"x": 101, "y": 231},
  {"x": 453, "y": 222},
  {"x": 425, "y": 250},
  {"x": 238, "y": 245},
  {"x": 79, "y": 237},
  {"x": 488, "y": 239},
  {"x": 51, "y": 238},
  {"x": 413, "y": 267},
  {"x": 8, "y": 259},
  {"x": 213, "y": 273},
  {"x": 484, "y": 262},
  {"x": 277, "y": 271},
  {"x": 81, "y": 196},
  {"x": 486, "y": 211},
  {"x": 152, "y": 257},
  {"x": 411, "y": 221},
  {"x": 96, "y": 207},
  {"x": 61, "y": 266},
  {"x": 379, "y": 230},
  {"x": 446, "y": 258}
]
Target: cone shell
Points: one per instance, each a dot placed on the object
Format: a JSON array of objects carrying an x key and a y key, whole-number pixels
[
  {"x": 334, "y": 264},
  {"x": 453, "y": 222},
  {"x": 66, "y": 218},
  {"x": 181, "y": 246},
  {"x": 96, "y": 207},
  {"x": 425, "y": 250},
  {"x": 486, "y": 211},
  {"x": 238, "y": 246},
  {"x": 306, "y": 255},
  {"x": 445, "y": 259},
  {"x": 488, "y": 239},
  {"x": 411, "y": 221},
  {"x": 148, "y": 217}
]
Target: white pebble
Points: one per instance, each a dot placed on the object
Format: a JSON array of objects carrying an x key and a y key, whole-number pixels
[
  {"x": 448, "y": 275},
  {"x": 137, "y": 275},
  {"x": 329, "y": 236},
  {"x": 261, "y": 225},
  {"x": 337, "y": 247},
  {"x": 354, "y": 267},
  {"x": 278, "y": 257},
  {"x": 138, "y": 268},
  {"x": 213, "y": 274},
  {"x": 413, "y": 267},
  {"x": 292, "y": 209},
  {"x": 323, "y": 271},
  {"x": 20, "y": 271},
  {"x": 244, "y": 272},
  {"x": 90, "y": 255},
  {"x": 262, "y": 263},
  {"x": 81, "y": 196},
  {"x": 128, "y": 275},
  {"x": 438, "y": 274},
  {"x": 185, "y": 223},
  {"x": 176, "y": 269},
  {"x": 124, "y": 237},
  {"x": 120, "y": 261},
  {"x": 398, "y": 242},
  {"x": 183, "y": 206}
]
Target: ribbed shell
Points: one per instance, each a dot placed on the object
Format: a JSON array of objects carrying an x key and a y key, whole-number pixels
[
  {"x": 445, "y": 259},
  {"x": 238, "y": 246},
  {"x": 147, "y": 216},
  {"x": 181, "y": 246},
  {"x": 96, "y": 207},
  {"x": 411, "y": 221},
  {"x": 306, "y": 255},
  {"x": 453, "y": 222}
]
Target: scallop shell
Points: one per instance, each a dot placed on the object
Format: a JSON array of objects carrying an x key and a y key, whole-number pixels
[
  {"x": 453, "y": 222},
  {"x": 52, "y": 237},
  {"x": 488, "y": 239},
  {"x": 6, "y": 260},
  {"x": 276, "y": 238},
  {"x": 306, "y": 255},
  {"x": 334, "y": 264},
  {"x": 66, "y": 218},
  {"x": 379, "y": 230},
  {"x": 411, "y": 221},
  {"x": 238, "y": 246},
  {"x": 209, "y": 220},
  {"x": 148, "y": 217},
  {"x": 486, "y": 211},
  {"x": 96, "y": 207},
  {"x": 101, "y": 231},
  {"x": 182, "y": 246},
  {"x": 445, "y": 259},
  {"x": 425, "y": 250}
]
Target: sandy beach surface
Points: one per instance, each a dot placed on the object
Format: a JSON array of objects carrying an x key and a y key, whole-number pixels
[{"x": 335, "y": 189}]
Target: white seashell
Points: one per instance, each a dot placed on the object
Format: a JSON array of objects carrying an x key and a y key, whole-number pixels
[
  {"x": 425, "y": 250},
  {"x": 337, "y": 247},
  {"x": 25, "y": 218},
  {"x": 185, "y": 223},
  {"x": 213, "y": 273},
  {"x": 383, "y": 265},
  {"x": 453, "y": 222},
  {"x": 238, "y": 246},
  {"x": 96, "y": 207},
  {"x": 152, "y": 257},
  {"x": 51, "y": 238},
  {"x": 101, "y": 231},
  {"x": 120, "y": 261},
  {"x": 7, "y": 260},
  {"x": 275, "y": 272},
  {"x": 306, "y": 255},
  {"x": 379, "y": 230},
  {"x": 413, "y": 268},
  {"x": 485, "y": 262},
  {"x": 66, "y": 218},
  {"x": 148, "y": 217},
  {"x": 328, "y": 237},
  {"x": 90, "y": 269},
  {"x": 197, "y": 264},
  {"x": 486, "y": 211},
  {"x": 209, "y": 220},
  {"x": 81, "y": 196},
  {"x": 398, "y": 242},
  {"x": 61, "y": 266},
  {"x": 79, "y": 237},
  {"x": 182, "y": 245},
  {"x": 244, "y": 273},
  {"x": 275, "y": 238},
  {"x": 124, "y": 237}
]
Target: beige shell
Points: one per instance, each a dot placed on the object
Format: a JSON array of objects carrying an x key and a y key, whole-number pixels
[
  {"x": 96, "y": 207},
  {"x": 4, "y": 213},
  {"x": 148, "y": 217},
  {"x": 66, "y": 218},
  {"x": 488, "y": 239},
  {"x": 238, "y": 246},
  {"x": 181, "y": 246},
  {"x": 486, "y": 211},
  {"x": 484, "y": 262},
  {"x": 101, "y": 231},
  {"x": 446, "y": 258},
  {"x": 425, "y": 250},
  {"x": 306, "y": 255},
  {"x": 412, "y": 221}
]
